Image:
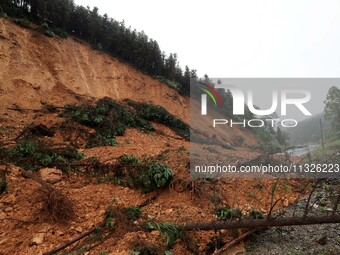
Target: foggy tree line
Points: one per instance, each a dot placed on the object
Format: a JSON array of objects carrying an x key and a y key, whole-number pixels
[
  {"x": 332, "y": 109},
  {"x": 103, "y": 33}
]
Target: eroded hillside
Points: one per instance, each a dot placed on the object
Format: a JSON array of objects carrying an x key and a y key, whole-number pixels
[{"x": 36, "y": 71}]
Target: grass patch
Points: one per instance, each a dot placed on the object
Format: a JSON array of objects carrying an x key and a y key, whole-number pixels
[
  {"x": 330, "y": 153},
  {"x": 333, "y": 145},
  {"x": 172, "y": 84}
]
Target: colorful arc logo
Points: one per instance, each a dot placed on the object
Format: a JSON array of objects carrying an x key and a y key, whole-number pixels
[{"x": 211, "y": 92}]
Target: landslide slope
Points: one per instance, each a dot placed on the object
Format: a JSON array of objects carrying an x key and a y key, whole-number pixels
[{"x": 36, "y": 70}]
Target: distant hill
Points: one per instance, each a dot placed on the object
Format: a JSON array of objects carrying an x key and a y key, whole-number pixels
[{"x": 308, "y": 130}]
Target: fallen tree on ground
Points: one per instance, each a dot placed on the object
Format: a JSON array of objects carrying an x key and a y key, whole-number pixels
[{"x": 251, "y": 224}]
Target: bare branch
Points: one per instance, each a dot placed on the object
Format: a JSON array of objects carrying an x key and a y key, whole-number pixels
[
  {"x": 233, "y": 242},
  {"x": 271, "y": 209},
  {"x": 309, "y": 198}
]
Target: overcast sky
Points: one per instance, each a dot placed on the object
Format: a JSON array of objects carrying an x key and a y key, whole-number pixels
[{"x": 240, "y": 38}]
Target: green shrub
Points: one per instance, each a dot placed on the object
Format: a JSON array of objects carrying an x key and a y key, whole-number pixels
[
  {"x": 25, "y": 148},
  {"x": 155, "y": 176},
  {"x": 97, "y": 140},
  {"x": 34, "y": 154},
  {"x": 133, "y": 212},
  {"x": 171, "y": 84},
  {"x": 227, "y": 213},
  {"x": 60, "y": 32},
  {"x": 267, "y": 141},
  {"x": 148, "y": 176},
  {"x": 53, "y": 32},
  {"x": 169, "y": 229},
  {"x": 108, "y": 118},
  {"x": 161, "y": 115},
  {"x": 83, "y": 114},
  {"x": 129, "y": 160}
]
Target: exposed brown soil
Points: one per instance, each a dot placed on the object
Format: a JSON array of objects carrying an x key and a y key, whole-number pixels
[{"x": 36, "y": 70}]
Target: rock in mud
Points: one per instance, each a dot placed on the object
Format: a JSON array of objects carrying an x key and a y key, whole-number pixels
[
  {"x": 51, "y": 175},
  {"x": 38, "y": 239}
]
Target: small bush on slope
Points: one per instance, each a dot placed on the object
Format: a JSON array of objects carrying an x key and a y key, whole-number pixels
[
  {"x": 161, "y": 115},
  {"x": 34, "y": 154},
  {"x": 108, "y": 118},
  {"x": 147, "y": 175}
]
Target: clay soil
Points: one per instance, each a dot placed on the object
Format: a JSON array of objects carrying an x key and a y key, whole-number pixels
[{"x": 35, "y": 71}]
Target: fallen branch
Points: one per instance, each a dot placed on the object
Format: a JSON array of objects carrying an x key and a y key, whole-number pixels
[
  {"x": 148, "y": 201},
  {"x": 271, "y": 209},
  {"x": 233, "y": 242},
  {"x": 65, "y": 245},
  {"x": 34, "y": 177},
  {"x": 109, "y": 213},
  {"x": 215, "y": 225},
  {"x": 272, "y": 199},
  {"x": 23, "y": 131},
  {"x": 251, "y": 224},
  {"x": 34, "y": 110},
  {"x": 309, "y": 198},
  {"x": 21, "y": 109}
]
